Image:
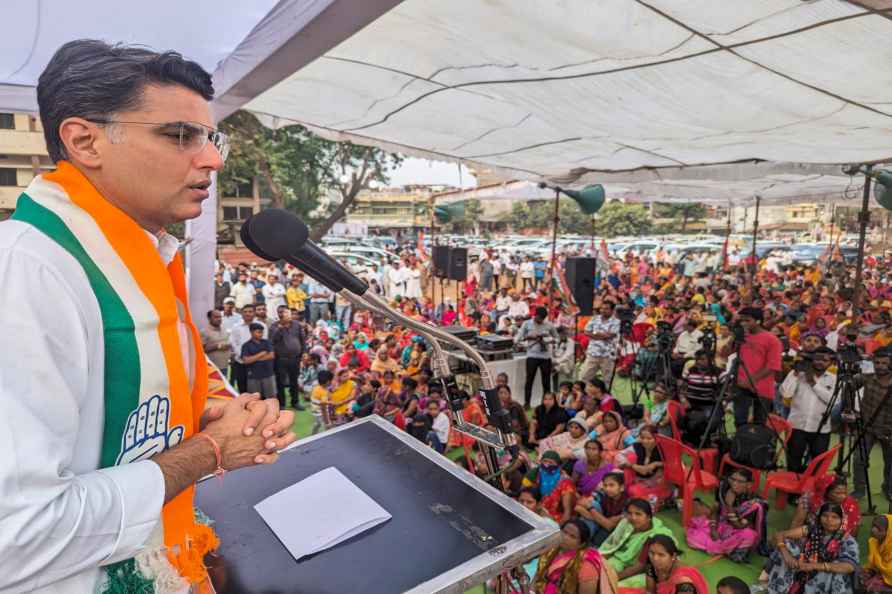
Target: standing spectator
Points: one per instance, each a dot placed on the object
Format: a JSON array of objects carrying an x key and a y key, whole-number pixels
[
  {"x": 438, "y": 436},
  {"x": 242, "y": 292},
  {"x": 215, "y": 341},
  {"x": 289, "y": 344},
  {"x": 396, "y": 280},
  {"x": 320, "y": 295},
  {"x": 876, "y": 410},
  {"x": 486, "y": 274},
  {"x": 527, "y": 275},
  {"x": 273, "y": 295},
  {"x": 343, "y": 312},
  {"x": 238, "y": 336},
  {"x": 257, "y": 357},
  {"x": 221, "y": 290},
  {"x": 256, "y": 283},
  {"x": 760, "y": 362},
  {"x": 537, "y": 335},
  {"x": 320, "y": 398},
  {"x": 563, "y": 356},
  {"x": 261, "y": 316},
  {"x": 229, "y": 317},
  {"x": 296, "y": 296},
  {"x": 497, "y": 271},
  {"x": 602, "y": 331},
  {"x": 809, "y": 392}
]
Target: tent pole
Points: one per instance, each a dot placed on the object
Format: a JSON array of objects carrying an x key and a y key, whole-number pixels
[
  {"x": 864, "y": 217},
  {"x": 727, "y": 241},
  {"x": 755, "y": 261},
  {"x": 554, "y": 234},
  {"x": 433, "y": 264}
]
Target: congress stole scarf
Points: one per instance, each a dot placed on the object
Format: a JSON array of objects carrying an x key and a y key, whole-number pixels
[{"x": 149, "y": 405}]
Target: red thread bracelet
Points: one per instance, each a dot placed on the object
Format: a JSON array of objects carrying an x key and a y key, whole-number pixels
[{"x": 220, "y": 471}]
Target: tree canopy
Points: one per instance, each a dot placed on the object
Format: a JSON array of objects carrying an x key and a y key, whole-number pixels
[{"x": 615, "y": 218}]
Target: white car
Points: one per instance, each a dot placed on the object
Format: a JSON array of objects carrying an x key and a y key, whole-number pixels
[{"x": 357, "y": 263}]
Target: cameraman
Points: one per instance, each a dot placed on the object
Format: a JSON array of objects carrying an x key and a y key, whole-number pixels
[
  {"x": 876, "y": 411},
  {"x": 760, "y": 362},
  {"x": 809, "y": 389}
]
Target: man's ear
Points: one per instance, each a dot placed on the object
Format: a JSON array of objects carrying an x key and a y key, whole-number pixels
[{"x": 81, "y": 139}]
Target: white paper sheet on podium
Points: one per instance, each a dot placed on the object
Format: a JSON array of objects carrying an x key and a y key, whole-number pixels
[{"x": 319, "y": 512}]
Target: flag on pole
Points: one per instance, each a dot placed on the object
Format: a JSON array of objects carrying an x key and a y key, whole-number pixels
[{"x": 419, "y": 247}]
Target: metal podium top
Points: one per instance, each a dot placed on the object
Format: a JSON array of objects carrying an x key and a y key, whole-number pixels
[{"x": 449, "y": 530}]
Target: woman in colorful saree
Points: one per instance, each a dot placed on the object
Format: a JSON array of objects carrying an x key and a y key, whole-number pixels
[
  {"x": 590, "y": 471},
  {"x": 665, "y": 574},
  {"x": 573, "y": 567},
  {"x": 569, "y": 445},
  {"x": 557, "y": 490},
  {"x": 623, "y": 548},
  {"x": 612, "y": 434},
  {"x": 737, "y": 523},
  {"x": 818, "y": 558},
  {"x": 835, "y": 490},
  {"x": 646, "y": 463},
  {"x": 877, "y": 573}
]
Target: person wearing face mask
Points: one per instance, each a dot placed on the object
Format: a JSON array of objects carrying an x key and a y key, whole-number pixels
[
  {"x": 809, "y": 391},
  {"x": 557, "y": 490},
  {"x": 876, "y": 411}
]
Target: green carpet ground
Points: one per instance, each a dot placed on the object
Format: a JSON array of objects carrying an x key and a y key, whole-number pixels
[{"x": 713, "y": 569}]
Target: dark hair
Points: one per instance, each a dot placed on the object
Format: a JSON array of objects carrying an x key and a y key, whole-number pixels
[
  {"x": 733, "y": 583},
  {"x": 585, "y": 534},
  {"x": 532, "y": 492},
  {"x": 828, "y": 506},
  {"x": 324, "y": 376},
  {"x": 641, "y": 504},
  {"x": 599, "y": 383},
  {"x": 211, "y": 312},
  {"x": 618, "y": 477},
  {"x": 839, "y": 481},
  {"x": 255, "y": 326},
  {"x": 667, "y": 542},
  {"x": 752, "y": 312},
  {"x": 541, "y": 312},
  {"x": 247, "y": 305},
  {"x": 566, "y": 384},
  {"x": 595, "y": 442},
  {"x": 92, "y": 79},
  {"x": 744, "y": 472}
]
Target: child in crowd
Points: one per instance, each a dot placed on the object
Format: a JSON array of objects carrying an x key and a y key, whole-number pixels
[
  {"x": 604, "y": 509},
  {"x": 320, "y": 398}
]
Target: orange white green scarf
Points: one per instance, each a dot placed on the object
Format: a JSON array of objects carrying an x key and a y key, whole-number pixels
[{"x": 141, "y": 302}]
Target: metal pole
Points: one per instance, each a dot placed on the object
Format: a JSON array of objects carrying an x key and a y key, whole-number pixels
[
  {"x": 864, "y": 216},
  {"x": 431, "y": 203},
  {"x": 557, "y": 205},
  {"x": 755, "y": 261}
]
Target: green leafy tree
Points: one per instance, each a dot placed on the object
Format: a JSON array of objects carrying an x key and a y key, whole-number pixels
[
  {"x": 619, "y": 218},
  {"x": 297, "y": 168},
  {"x": 469, "y": 221},
  {"x": 682, "y": 214}
]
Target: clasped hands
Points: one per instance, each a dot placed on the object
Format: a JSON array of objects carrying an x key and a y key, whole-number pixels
[{"x": 248, "y": 430}]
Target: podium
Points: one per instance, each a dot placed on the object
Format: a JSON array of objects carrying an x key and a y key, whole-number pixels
[{"x": 449, "y": 531}]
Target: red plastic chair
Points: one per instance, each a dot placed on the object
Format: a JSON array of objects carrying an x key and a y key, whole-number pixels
[
  {"x": 779, "y": 425},
  {"x": 689, "y": 480},
  {"x": 785, "y": 481}
]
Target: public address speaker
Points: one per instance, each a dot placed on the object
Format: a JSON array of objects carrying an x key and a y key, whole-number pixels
[
  {"x": 441, "y": 261},
  {"x": 458, "y": 264},
  {"x": 580, "y": 273}
]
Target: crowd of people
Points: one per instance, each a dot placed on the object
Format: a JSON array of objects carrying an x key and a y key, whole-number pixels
[{"x": 588, "y": 463}]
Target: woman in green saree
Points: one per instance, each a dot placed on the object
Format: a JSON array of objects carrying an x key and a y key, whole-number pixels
[{"x": 625, "y": 549}]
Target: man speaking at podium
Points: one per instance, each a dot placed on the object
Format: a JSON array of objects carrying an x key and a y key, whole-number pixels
[{"x": 103, "y": 380}]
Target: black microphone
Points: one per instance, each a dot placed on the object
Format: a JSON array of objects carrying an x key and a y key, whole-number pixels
[{"x": 276, "y": 234}]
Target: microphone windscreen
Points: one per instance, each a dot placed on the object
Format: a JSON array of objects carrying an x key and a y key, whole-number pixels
[
  {"x": 277, "y": 232},
  {"x": 245, "y": 234}
]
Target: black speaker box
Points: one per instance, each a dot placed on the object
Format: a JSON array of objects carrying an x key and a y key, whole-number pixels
[
  {"x": 580, "y": 273},
  {"x": 441, "y": 261},
  {"x": 458, "y": 264}
]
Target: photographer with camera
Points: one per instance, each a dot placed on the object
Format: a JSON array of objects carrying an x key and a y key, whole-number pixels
[
  {"x": 809, "y": 389},
  {"x": 876, "y": 411},
  {"x": 760, "y": 362},
  {"x": 603, "y": 332},
  {"x": 536, "y": 335}
]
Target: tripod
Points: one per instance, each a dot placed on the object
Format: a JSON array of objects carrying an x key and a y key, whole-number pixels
[{"x": 852, "y": 429}]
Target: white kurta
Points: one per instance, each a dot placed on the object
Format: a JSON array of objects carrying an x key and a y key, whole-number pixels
[{"x": 60, "y": 517}]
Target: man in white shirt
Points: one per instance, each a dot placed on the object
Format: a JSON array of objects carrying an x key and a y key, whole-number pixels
[
  {"x": 131, "y": 133},
  {"x": 527, "y": 275},
  {"x": 230, "y": 316},
  {"x": 438, "y": 436},
  {"x": 503, "y": 303},
  {"x": 688, "y": 342},
  {"x": 809, "y": 391},
  {"x": 519, "y": 308},
  {"x": 396, "y": 280},
  {"x": 242, "y": 291},
  {"x": 273, "y": 295},
  {"x": 497, "y": 270}
]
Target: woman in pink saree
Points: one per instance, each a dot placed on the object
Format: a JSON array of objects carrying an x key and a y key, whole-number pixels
[{"x": 573, "y": 567}]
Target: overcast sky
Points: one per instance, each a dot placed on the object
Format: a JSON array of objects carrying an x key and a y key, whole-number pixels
[{"x": 422, "y": 171}]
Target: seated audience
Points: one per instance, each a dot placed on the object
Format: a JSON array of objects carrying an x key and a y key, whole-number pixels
[
  {"x": 549, "y": 419},
  {"x": 626, "y": 547},
  {"x": 573, "y": 566},
  {"x": 605, "y": 508}
]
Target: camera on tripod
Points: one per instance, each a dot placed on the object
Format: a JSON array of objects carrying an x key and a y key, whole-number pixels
[
  {"x": 626, "y": 318},
  {"x": 665, "y": 336},
  {"x": 708, "y": 338}
]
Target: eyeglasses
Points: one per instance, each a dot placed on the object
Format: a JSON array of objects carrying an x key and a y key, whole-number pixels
[{"x": 192, "y": 137}]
